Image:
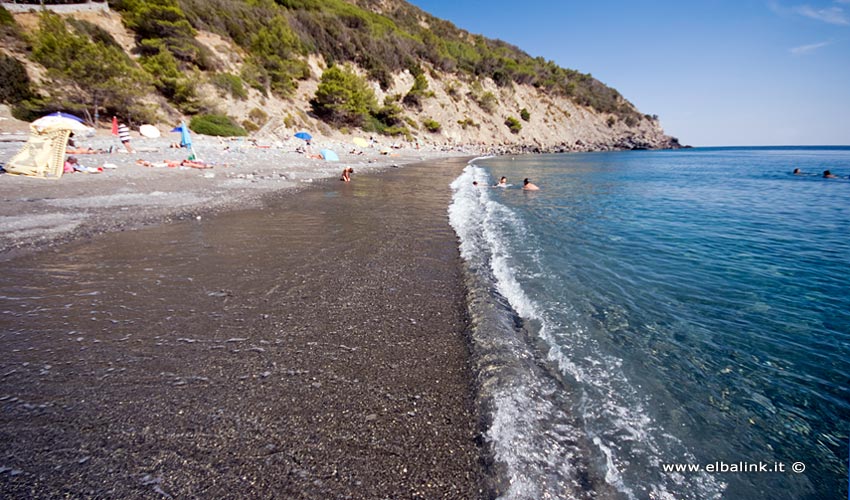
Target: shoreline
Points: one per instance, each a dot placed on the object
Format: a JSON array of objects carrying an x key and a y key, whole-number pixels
[{"x": 328, "y": 358}]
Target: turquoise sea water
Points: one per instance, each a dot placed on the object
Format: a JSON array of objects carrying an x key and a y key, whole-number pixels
[{"x": 661, "y": 309}]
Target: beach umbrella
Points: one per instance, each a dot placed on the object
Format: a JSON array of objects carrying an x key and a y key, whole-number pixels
[
  {"x": 69, "y": 116},
  {"x": 54, "y": 122},
  {"x": 360, "y": 142},
  {"x": 304, "y": 135},
  {"x": 329, "y": 155},
  {"x": 149, "y": 131},
  {"x": 185, "y": 138}
]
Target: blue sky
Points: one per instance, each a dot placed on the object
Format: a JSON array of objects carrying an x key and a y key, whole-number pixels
[{"x": 717, "y": 73}]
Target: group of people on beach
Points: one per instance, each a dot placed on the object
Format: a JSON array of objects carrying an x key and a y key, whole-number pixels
[{"x": 826, "y": 174}]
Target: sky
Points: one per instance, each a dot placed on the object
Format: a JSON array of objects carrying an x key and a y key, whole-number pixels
[{"x": 716, "y": 72}]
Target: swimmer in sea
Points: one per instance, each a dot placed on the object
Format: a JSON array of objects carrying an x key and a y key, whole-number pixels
[
  {"x": 528, "y": 186},
  {"x": 503, "y": 182},
  {"x": 829, "y": 175}
]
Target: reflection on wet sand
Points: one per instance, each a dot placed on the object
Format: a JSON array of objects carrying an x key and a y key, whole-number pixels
[{"x": 311, "y": 348}]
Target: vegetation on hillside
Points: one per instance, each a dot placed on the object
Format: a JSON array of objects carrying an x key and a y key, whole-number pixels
[
  {"x": 214, "y": 124},
  {"x": 9, "y": 30},
  {"x": 89, "y": 71},
  {"x": 513, "y": 124},
  {"x": 343, "y": 98},
  {"x": 396, "y": 40},
  {"x": 418, "y": 93}
]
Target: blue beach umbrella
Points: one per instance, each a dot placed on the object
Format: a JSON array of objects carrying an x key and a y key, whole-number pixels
[
  {"x": 304, "y": 135},
  {"x": 65, "y": 115},
  {"x": 185, "y": 137},
  {"x": 329, "y": 155}
]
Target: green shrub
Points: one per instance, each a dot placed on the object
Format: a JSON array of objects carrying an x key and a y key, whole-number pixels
[
  {"x": 164, "y": 24},
  {"x": 274, "y": 47},
  {"x": 513, "y": 124},
  {"x": 89, "y": 75},
  {"x": 524, "y": 114},
  {"x": 229, "y": 84},
  {"x": 255, "y": 76},
  {"x": 259, "y": 116},
  {"x": 171, "y": 81},
  {"x": 411, "y": 123},
  {"x": 390, "y": 114},
  {"x": 343, "y": 98},
  {"x": 6, "y": 18},
  {"x": 611, "y": 121},
  {"x": 250, "y": 126},
  {"x": 218, "y": 125},
  {"x": 394, "y": 131},
  {"x": 431, "y": 125},
  {"x": 453, "y": 90},
  {"x": 8, "y": 27},
  {"x": 15, "y": 84},
  {"x": 418, "y": 93},
  {"x": 30, "y": 109},
  {"x": 488, "y": 102},
  {"x": 468, "y": 122},
  {"x": 92, "y": 31}
]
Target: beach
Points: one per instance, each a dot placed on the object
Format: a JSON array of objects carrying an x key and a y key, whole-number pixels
[
  {"x": 39, "y": 212},
  {"x": 174, "y": 334}
]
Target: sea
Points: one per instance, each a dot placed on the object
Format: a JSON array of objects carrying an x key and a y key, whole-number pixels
[{"x": 661, "y": 324}]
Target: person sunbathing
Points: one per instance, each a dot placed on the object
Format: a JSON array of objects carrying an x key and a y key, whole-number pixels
[
  {"x": 194, "y": 164},
  {"x": 167, "y": 163},
  {"x": 72, "y": 165},
  {"x": 83, "y": 151}
]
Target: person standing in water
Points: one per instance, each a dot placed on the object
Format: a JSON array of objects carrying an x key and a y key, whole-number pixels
[
  {"x": 346, "y": 174},
  {"x": 528, "y": 186}
]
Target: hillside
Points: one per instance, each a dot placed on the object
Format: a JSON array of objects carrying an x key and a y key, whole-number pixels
[{"x": 414, "y": 77}]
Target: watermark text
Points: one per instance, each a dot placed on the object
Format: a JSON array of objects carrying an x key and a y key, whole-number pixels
[{"x": 721, "y": 467}]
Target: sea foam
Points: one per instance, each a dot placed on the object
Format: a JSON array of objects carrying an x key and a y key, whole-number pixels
[{"x": 574, "y": 415}]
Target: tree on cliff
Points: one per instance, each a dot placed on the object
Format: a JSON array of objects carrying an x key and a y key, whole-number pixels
[
  {"x": 343, "y": 98},
  {"x": 87, "y": 74}
]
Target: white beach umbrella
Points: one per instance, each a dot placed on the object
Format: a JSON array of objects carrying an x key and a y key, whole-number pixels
[{"x": 51, "y": 122}]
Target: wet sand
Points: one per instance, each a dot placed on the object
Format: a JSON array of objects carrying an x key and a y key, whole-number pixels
[{"x": 312, "y": 348}]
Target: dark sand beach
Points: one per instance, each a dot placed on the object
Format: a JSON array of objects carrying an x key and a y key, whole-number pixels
[{"x": 311, "y": 348}]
